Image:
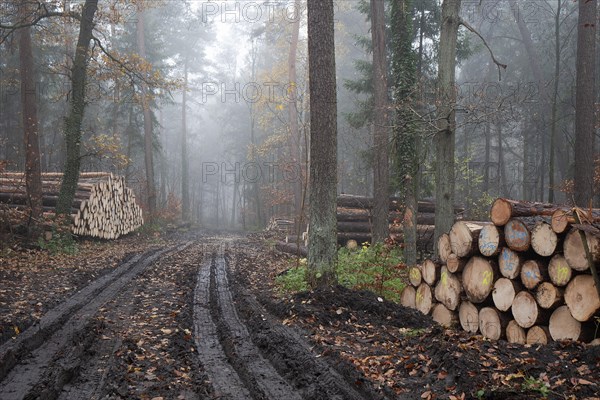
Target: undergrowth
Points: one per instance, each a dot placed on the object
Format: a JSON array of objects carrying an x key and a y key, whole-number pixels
[{"x": 378, "y": 268}]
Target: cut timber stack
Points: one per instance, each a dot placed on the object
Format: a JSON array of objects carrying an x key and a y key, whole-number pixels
[
  {"x": 354, "y": 221},
  {"x": 103, "y": 206},
  {"x": 524, "y": 277}
]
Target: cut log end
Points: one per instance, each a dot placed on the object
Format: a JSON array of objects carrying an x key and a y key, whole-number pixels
[
  {"x": 582, "y": 298},
  {"x": 468, "y": 315},
  {"x": 501, "y": 212},
  {"x": 443, "y": 316},
  {"x": 515, "y": 333},
  {"x": 538, "y": 335},
  {"x": 563, "y": 326},
  {"x": 478, "y": 279},
  {"x": 444, "y": 248},
  {"x": 424, "y": 298}
]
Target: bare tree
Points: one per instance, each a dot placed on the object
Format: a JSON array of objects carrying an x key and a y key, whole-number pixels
[
  {"x": 185, "y": 172},
  {"x": 145, "y": 98},
  {"x": 380, "y": 123},
  {"x": 33, "y": 179},
  {"x": 293, "y": 111},
  {"x": 446, "y": 119},
  {"x": 585, "y": 97},
  {"x": 76, "y": 108},
  {"x": 323, "y": 144}
]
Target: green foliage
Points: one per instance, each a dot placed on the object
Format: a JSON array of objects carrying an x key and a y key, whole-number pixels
[
  {"x": 378, "y": 268},
  {"x": 469, "y": 187},
  {"x": 531, "y": 384},
  {"x": 59, "y": 243}
]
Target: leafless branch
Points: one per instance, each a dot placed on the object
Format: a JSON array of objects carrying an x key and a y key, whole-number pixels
[{"x": 498, "y": 63}]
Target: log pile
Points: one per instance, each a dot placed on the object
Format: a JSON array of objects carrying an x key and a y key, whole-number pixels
[
  {"x": 524, "y": 277},
  {"x": 103, "y": 206},
  {"x": 354, "y": 221}
]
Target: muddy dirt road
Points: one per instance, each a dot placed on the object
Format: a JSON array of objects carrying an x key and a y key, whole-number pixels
[{"x": 170, "y": 323}]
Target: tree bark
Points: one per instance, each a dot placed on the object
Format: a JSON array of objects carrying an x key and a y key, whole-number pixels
[
  {"x": 76, "y": 108},
  {"x": 185, "y": 172},
  {"x": 293, "y": 113},
  {"x": 554, "y": 114},
  {"x": 145, "y": 99},
  {"x": 446, "y": 119},
  {"x": 322, "y": 245},
  {"x": 380, "y": 122},
  {"x": 585, "y": 99},
  {"x": 33, "y": 179}
]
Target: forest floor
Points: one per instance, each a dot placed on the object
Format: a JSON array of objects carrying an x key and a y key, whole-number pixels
[{"x": 197, "y": 315}]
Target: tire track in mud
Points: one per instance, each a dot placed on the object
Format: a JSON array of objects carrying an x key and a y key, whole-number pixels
[
  {"x": 247, "y": 354},
  {"x": 46, "y": 356}
]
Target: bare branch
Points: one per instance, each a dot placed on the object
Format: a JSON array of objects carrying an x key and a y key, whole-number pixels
[
  {"x": 498, "y": 63},
  {"x": 22, "y": 24}
]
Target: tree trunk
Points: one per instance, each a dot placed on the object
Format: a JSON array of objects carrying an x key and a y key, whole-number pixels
[
  {"x": 444, "y": 248},
  {"x": 185, "y": 172},
  {"x": 322, "y": 244},
  {"x": 585, "y": 99},
  {"x": 145, "y": 98},
  {"x": 554, "y": 114},
  {"x": 33, "y": 179},
  {"x": 405, "y": 133},
  {"x": 380, "y": 122},
  {"x": 503, "y": 210},
  {"x": 293, "y": 114},
  {"x": 446, "y": 119},
  {"x": 464, "y": 238},
  {"x": 77, "y": 108}
]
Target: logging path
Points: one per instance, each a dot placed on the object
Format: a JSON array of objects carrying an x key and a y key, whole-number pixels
[{"x": 196, "y": 316}]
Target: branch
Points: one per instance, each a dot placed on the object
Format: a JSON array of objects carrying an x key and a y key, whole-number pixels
[
  {"x": 38, "y": 18},
  {"x": 498, "y": 63},
  {"x": 120, "y": 63}
]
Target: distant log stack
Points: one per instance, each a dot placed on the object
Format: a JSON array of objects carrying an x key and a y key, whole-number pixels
[
  {"x": 354, "y": 220},
  {"x": 524, "y": 277},
  {"x": 103, "y": 206}
]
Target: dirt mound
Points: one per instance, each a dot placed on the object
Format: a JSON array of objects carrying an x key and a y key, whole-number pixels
[{"x": 339, "y": 303}]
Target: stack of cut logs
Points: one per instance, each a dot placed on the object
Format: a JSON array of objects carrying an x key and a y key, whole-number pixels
[
  {"x": 523, "y": 277},
  {"x": 103, "y": 206},
  {"x": 355, "y": 223}
]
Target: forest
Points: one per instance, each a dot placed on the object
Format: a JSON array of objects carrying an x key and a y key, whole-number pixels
[{"x": 442, "y": 155}]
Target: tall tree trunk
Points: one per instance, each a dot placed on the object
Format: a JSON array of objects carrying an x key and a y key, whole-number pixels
[
  {"x": 501, "y": 172},
  {"x": 585, "y": 98},
  {"x": 381, "y": 171},
  {"x": 530, "y": 175},
  {"x": 33, "y": 178},
  {"x": 185, "y": 173},
  {"x": 76, "y": 109},
  {"x": 293, "y": 114},
  {"x": 486, "y": 164},
  {"x": 405, "y": 131},
  {"x": 322, "y": 245},
  {"x": 446, "y": 119},
  {"x": 551, "y": 165},
  {"x": 148, "y": 139}
]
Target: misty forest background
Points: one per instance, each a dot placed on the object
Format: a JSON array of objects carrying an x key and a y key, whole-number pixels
[{"x": 227, "y": 94}]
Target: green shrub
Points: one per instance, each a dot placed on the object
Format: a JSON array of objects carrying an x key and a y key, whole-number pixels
[{"x": 378, "y": 268}]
